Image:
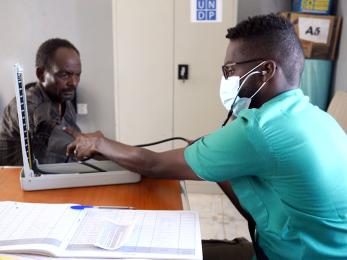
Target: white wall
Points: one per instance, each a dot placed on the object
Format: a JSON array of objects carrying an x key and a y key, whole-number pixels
[
  {"x": 341, "y": 63},
  {"x": 248, "y": 8},
  {"x": 25, "y": 24}
]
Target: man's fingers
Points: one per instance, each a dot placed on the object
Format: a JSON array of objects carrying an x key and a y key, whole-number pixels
[
  {"x": 82, "y": 155},
  {"x": 70, "y": 148}
]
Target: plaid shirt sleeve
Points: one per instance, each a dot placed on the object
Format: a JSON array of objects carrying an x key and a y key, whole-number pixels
[{"x": 10, "y": 146}]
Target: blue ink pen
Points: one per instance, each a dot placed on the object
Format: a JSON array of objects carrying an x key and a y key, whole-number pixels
[{"x": 80, "y": 207}]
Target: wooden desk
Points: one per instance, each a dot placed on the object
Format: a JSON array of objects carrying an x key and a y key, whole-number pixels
[{"x": 148, "y": 194}]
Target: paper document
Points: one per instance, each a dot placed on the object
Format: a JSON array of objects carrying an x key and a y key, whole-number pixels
[
  {"x": 59, "y": 230},
  {"x": 113, "y": 235}
]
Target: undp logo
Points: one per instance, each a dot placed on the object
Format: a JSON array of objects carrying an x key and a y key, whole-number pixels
[{"x": 206, "y": 10}]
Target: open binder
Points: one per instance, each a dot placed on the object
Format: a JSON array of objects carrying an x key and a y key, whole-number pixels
[
  {"x": 66, "y": 175},
  {"x": 67, "y": 230}
]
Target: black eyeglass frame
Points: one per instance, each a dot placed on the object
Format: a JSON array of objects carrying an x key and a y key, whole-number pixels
[{"x": 226, "y": 71}]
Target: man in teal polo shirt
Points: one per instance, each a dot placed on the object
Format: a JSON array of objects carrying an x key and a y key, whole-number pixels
[{"x": 281, "y": 160}]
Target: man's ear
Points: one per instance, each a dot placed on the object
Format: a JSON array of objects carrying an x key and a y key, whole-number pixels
[
  {"x": 269, "y": 69},
  {"x": 40, "y": 74}
]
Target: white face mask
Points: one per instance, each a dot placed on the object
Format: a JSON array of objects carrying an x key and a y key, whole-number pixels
[{"x": 230, "y": 88}]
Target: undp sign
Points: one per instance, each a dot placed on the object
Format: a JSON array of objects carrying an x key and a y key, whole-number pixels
[{"x": 206, "y": 11}]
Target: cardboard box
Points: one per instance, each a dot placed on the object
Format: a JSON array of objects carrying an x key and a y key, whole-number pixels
[
  {"x": 319, "y": 34},
  {"x": 313, "y": 6}
]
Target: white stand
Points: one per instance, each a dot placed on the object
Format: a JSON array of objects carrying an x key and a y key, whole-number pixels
[{"x": 75, "y": 175}]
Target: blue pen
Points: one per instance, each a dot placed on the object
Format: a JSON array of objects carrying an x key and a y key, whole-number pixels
[{"x": 80, "y": 207}]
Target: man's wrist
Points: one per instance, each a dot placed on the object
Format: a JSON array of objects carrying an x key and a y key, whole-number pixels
[{"x": 99, "y": 143}]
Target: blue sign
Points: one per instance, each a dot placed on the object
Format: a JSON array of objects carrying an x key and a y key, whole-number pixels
[{"x": 206, "y": 10}]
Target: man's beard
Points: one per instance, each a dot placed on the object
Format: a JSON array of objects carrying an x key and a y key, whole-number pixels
[{"x": 68, "y": 95}]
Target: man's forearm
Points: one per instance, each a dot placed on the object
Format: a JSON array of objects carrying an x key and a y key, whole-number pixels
[{"x": 164, "y": 165}]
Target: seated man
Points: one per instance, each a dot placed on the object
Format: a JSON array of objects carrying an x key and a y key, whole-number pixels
[
  {"x": 283, "y": 159},
  {"x": 58, "y": 69}
]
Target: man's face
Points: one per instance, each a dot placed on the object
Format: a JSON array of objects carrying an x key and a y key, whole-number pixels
[
  {"x": 61, "y": 79},
  {"x": 237, "y": 62}
]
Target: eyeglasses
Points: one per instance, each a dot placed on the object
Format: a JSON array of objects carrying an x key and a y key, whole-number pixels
[{"x": 228, "y": 69}]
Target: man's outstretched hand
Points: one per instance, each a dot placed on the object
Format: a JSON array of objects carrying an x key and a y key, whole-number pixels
[{"x": 85, "y": 145}]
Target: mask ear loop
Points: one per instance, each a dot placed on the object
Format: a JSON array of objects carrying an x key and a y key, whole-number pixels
[
  {"x": 247, "y": 74},
  {"x": 230, "y": 113},
  {"x": 262, "y": 85}
]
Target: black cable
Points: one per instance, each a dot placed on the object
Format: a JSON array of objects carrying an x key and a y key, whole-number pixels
[
  {"x": 91, "y": 166},
  {"x": 67, "y": 159},
  {"x": 230, "y": 113},
  {"x": 163, "y": 141},
  {"x": 37, "y": 169}
]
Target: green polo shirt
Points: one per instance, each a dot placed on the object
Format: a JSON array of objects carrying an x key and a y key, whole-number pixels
[{"x": 287, "y": 164}]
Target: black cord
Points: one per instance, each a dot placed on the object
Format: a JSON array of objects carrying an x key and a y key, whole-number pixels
[
  {"x": 230, "y": 113},
  {"x": 67, "y": 158},
  {"x": 37, "y": 169},
  {"x": 92, "y": 166},
  {"x": 163, "y": 141}
]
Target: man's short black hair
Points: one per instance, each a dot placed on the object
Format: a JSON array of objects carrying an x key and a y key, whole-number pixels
[
  {"x": 47, "y": 50},
  {"x": 271, "y": 37}
]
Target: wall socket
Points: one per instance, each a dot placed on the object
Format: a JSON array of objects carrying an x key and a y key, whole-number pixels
[{"x": 82, "y": 109}]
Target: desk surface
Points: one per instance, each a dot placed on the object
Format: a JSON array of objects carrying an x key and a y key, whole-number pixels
[{"x": 147, "y": 194}]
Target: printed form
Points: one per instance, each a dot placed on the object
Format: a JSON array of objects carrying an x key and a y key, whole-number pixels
[{"x": 59, "y": 230}]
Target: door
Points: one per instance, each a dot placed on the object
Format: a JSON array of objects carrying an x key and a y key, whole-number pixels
[
  {"x": 197, "y": 106},
  {"x": 143, "y": 43},
  {"x": 151, "y": 37}
]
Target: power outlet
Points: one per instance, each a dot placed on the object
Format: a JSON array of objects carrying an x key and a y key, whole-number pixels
[{"x": 82, "y": 109}]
